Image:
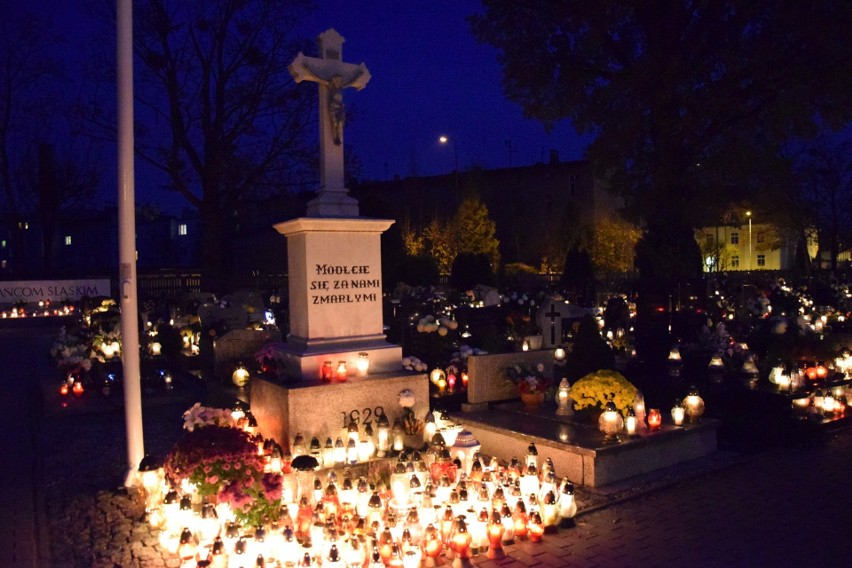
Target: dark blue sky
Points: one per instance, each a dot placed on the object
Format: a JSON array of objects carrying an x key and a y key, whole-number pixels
[{"x": 430, "y": 77}]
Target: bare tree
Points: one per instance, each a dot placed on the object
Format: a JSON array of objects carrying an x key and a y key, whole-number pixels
[
  {"x": 51, "y": 185},
  {"x": 29, "y": 75},
  {"x": 217, "y": 112}
]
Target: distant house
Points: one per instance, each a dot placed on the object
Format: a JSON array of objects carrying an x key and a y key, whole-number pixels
[{"x": 750, "y": 246}]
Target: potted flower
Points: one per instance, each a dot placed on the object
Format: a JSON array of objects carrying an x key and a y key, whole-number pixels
[
  {"x": 531, "y": 384},
  {"x": 412, "y": 427},
  {"x": 222, "y": 462},
  {"x": 271, "y": 359},
  {"x": 595, "y": 389}
]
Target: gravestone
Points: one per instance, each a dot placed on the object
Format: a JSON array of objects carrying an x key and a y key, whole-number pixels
[
  {"x": 550, "y": 317},
  {"x": 239, "y": 346},
  {"x": 231, "y": 316},
  {"x": 252, "y": 302}
]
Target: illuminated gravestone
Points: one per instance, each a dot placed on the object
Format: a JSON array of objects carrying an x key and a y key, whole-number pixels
[{"x": 335, "y": 290}]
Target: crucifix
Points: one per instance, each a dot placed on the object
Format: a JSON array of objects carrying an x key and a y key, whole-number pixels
[
  {"x": 333, "y": 76},
  {"x": 553, "y": 314}
]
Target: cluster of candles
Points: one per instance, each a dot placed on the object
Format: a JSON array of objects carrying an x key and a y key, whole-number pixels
[
  {"x": 449, "y": 381},
  {"x": 43, "y": 309},
  {"x": 435, "y": 509},
  {"x": 360, "y": 444},
  {"x": 339, "y": 372}
]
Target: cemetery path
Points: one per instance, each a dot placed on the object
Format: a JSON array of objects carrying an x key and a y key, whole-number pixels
[{"x": 23, "y": 361}]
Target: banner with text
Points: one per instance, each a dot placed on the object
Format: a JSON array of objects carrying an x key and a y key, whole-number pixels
[{"x": 53, "y": 290}]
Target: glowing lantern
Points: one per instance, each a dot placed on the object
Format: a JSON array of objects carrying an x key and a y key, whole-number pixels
[
  {"x": 77, "y": 389},
  {"x": 461, "y": 540},
  {"x": 655, "y": 419},
  {"x": 495, "y": 532},
  {"x": 694, "y": 405},
  {"x": 465, "y": 448},
  {"x": 240, "y": 376},
  {"x": 631, "y": 422},
  {"x": 362, "y": 364},
  {"x": 535, "y": 528},
  {"x": 563, "y": 400},
  {"x": 678, "y": 413},
  {"x": 341, "y": 371},
  {"x": 610, "y": 422},
  {"x": 326, "y": 371}
]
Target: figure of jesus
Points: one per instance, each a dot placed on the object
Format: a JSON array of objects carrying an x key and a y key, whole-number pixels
[{"x": 335, "y": 85}]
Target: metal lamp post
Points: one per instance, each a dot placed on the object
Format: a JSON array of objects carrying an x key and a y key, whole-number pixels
[{"x": 748, "y": 214}]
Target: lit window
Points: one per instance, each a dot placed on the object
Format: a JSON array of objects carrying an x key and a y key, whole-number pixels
[
  {"x": 182, "y": 229},
  {"x": 67, "y": 240},
  {"x": 735, "y": 262},
  {"x": 761, "y": 260},
  {"x": 3, "y": 243},
  {"x": 735, "y": 238}
]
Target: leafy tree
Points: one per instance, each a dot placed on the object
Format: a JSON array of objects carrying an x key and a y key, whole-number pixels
[
  {"x": 440, "y": 244},
  {"x": 475, "y": 230},
  {"x": 613, "y": 244},
  {"x": 683, "y": 96},
  {"x": 218, "y": 113}
]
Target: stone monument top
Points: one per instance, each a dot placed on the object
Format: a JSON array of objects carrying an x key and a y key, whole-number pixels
[{"x": 333, "y": 76}]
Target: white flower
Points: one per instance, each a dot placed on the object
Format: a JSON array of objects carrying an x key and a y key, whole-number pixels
[{"x": 406, "y": 398}]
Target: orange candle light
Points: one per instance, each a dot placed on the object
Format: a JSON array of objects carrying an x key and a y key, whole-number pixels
[
  {"x": 77, "y": 389},
  {"x": 341, "y": 371},
  {"x": 63, "y": 389},
  {"x": 495, "y": 532},
  {"x": 535, "y": 528},
  {"x": 655, "y": 419},
  {"x": 326, "y": 371}
]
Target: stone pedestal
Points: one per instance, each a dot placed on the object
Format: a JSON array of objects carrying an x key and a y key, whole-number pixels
[
  {"x": 314, "y": 408},
  {"x": 335, "y": 287}
]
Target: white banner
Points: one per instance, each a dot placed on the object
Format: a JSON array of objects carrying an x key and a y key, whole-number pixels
[{"x": 53, "y": 290}]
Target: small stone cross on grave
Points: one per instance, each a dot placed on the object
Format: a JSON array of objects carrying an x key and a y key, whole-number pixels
[
  {"x": 333, "y": 75},
  {"x": 551, "y": 315}
]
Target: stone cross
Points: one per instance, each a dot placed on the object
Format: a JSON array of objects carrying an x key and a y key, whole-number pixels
[
  {"x": 333, "y": 75},
  {"x": 553, "y": 314}
]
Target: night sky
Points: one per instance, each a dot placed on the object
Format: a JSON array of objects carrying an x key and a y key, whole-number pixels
[{"x": 430, "y": 78}]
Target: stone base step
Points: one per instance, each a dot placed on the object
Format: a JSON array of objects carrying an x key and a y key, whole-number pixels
[{"x": 578, "y": 449}]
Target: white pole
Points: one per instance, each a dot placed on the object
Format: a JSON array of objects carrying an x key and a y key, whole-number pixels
[{"x": 127, "y": 242}]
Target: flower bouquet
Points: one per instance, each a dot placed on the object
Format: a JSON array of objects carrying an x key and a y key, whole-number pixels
[
  {"x": 531, "y": 384},
  {"x": 593, "y": 391},
  {"x": 412, "y": 426},
  {"x": 223, "y": 462}
]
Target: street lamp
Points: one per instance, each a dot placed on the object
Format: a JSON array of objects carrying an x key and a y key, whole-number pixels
[
  {"x": 445, "y": 140},
  {"x": 748, "y": 214}
]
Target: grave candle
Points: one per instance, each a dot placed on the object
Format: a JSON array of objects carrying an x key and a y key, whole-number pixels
[
  {"x": 326, "y": 371},
  {"x": 655, "y": 419},
  {"x": 77, "y": 389},
  {"x": 495, "y": 537},
  {"x": 362, "y": 365},
  {"x": 341, "y": 371},
  {"x": 678, "y": 414},
  {"x": 630, "y": 422}
]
